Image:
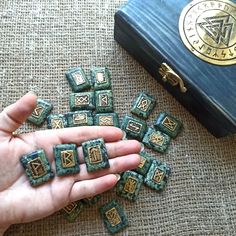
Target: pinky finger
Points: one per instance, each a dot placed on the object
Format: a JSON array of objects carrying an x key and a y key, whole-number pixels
[{"x": 90, "y": 188}]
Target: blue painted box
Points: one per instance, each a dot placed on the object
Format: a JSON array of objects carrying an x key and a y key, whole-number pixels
[{"x": 179, "y": 44}]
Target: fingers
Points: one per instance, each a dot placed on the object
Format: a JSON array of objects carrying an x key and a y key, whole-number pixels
[
  {"x": 13, "y": 116},
  {"x": 77, "y": 135},
  {"x": 115, "y": 149},
  {"x": 90, "y": 188},
  {"x": 117, "y": 165}
]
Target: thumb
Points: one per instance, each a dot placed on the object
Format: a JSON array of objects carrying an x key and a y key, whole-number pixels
[{"x": 13, "y": 116}]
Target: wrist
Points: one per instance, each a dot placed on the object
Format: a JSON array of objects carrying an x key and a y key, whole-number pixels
[{"x": 3, "y": 230}]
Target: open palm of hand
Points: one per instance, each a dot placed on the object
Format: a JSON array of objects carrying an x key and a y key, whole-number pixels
[{"x": 19, "y": 201}]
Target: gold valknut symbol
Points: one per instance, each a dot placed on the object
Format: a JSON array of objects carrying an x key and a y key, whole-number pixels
[
  {"x": 95, "y": 155},
  {"x": 67, "y": 158},
  {"x": 103, "y": 100},
  {"x": 37, "y": 168},
  {"x": 169, "y": 123},
  {"x": 130, "y": 185},
  {"x": 113, "y": 216},
  {"x": 208, "y": 30}
]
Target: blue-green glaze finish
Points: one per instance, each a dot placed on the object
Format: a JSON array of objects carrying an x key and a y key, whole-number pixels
[
  {"x": 143, "y": 105},
  {"x": 101, "y": 78},
  {"x": 77, "y": 79},
  {"x": 66, "y": 159},
  {"x": 156, "y": 140},
  {"x": 111, "y": 226},
  {"x": 95, "y": 155},
  {"x": 157, "y": 176},
  {"x": 107, "y": 119},
  {"x": 146, "y": 161},
  {"x": 79, "y": 118},
  {"x": 72, "y": 211},
  {"x": 168, "y": 124},
  {"x": 92, "y": 201},
  {"x": 56, "y": 121},
  {"x": 41, "y": 112},
  {"x": 129, "y": 185},
  {"x": 104, "y": 101},
  {"x": 37, "y": 167},
  {"x": 82, "y": 101},
  {"x": 134, "y": 127}
]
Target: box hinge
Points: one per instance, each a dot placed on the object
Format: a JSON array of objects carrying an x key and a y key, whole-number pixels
[{"x": 168, "y": 75}]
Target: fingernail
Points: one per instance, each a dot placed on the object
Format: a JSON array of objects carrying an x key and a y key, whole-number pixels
[
  {"x": 117, "y": 176},
  {"x": 32, "y": 92},
  {"x": 142, "y": 147},
  {"x": 124, "y": 135}
]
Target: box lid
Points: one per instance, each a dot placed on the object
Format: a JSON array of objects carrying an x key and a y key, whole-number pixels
[{"x": 149, "y": 30}]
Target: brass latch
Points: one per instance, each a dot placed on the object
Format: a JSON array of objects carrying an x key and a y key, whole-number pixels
[{"x": 168, "y": 75}]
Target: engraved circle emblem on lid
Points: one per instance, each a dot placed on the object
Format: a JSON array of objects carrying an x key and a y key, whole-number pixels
[{"x": 208, "y": 30}]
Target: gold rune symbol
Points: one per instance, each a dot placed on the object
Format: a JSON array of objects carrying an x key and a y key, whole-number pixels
[
  {"x": 78, "y": 78},
  {"x": 38, "y": 111},
  {"x": 81, "y": 100},
  {"x": 134, "y": 126},
  {"x": 37, "y": 168},
  {"x": 103, "y": 100},
  {"x": 80, "y": 118},
  {"x": 69, "y": 208},
  {"x": 95, "y": 155},
  {"x": 142, "y": 162},
  {"x": 57, "y": 124},
  {"x": 169, "y": 123},
  {"x": 130, "y": 185},
  {"x": 106, "y": 120},
  {"x": 156, "y": 139},
  {"x": 158, "y": 176},
  {"x": 100, "y": 78},
  {"x": 113, "y": 216},
  {"x": 218, "y": 28},
  {"x": 67, "y": 158},
  {"x": 143, "y": 104}
]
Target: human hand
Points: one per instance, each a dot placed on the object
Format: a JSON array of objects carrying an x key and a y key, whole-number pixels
[{"x": 19, "y": 201}]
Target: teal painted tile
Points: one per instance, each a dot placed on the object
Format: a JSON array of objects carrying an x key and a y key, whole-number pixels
[
  {"x": 129, "y": 185},
  {"x": 104, "y": 101},
  {"x": 113, "y": 216},
  {"x": 158, "y": 175},
  {"x": 77, "y": 79},
  {"x": 79, "y": 118},
  {"x": 101, "y": 78},
  {"x": 66, "y": 159},
  {"x": 41, "y": 112},
  {"x": 82, "y": 101},
  {"x": 107, "y": 119},
  {"x": 71, "y": 212},
  {"x": 56, "y": 121},
  {"x": 134, "y": 127},
  {"x": 168, "y": 124},
  {"x": 145, "y": 163},
  {"x": 95, "y": 155},
  {"x": 156, "y": 140},
  {"x": 37, "y": 167},
  {"x": 143, "y": 105}
]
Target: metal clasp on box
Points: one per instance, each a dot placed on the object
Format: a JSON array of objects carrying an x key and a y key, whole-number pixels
[{"x": 168, "y": 75}]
